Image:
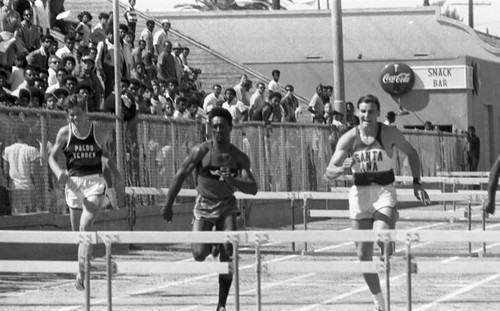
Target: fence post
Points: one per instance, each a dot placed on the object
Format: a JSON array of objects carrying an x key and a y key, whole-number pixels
[
  {"x": 262, "y": 164},
  {"x": 45, "y": 172},
  {"x": 303, "y": 159},
  {"x": 469, "y": 225}
]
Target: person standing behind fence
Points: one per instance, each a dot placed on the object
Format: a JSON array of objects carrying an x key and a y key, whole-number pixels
[
  {"x": 474, "y": 147},
  {"x": 21, "y": 161},
  {"x": 84, "y": 148},
  {"x": 220, "y": 169},
  {"x": 372, "y": 199}
]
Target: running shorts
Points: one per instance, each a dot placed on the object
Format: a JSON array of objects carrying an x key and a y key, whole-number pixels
[
  {"x": 78, "y": 188},
  {"x": 210, "y": 209},
  {"x": 364, "y": 201}
]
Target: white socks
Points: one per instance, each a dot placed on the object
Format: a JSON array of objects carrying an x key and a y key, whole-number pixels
[{"x": 379, "y": 301}]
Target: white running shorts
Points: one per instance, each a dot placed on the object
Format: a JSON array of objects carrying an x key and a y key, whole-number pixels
[
  {"x": 364, "y": 201},
  {"x": 78, "y": 188}
]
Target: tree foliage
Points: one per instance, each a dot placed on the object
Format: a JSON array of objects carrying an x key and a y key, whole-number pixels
[{"x": 227, "y": 5}]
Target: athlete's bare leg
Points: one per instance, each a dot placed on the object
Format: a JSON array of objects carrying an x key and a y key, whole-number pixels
[
  {"x": 201, "y": 251},
  {"x": 88, "y": 215}
]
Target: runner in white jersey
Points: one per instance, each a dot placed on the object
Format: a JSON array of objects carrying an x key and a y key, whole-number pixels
[
  {"x": 85, "y": 187},
  {"x": 367, "y": 150}
]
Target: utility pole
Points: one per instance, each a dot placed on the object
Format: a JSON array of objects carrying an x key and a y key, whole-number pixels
[
  {"x": 471, "y": 14},
  {"x": 338, "y": 57},
  {"x": 276, "y": 5}
]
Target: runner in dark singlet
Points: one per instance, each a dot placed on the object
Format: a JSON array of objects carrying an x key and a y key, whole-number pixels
[
  {"x": 372, "y": 199},
  {"x": 220, "y": 168},
  {"x": 85, "y": 188}
]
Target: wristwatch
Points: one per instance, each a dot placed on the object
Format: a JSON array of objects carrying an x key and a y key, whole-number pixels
[{"x": 417, "y": 181}]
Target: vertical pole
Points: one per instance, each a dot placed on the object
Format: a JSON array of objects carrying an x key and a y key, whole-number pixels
[
  {"x": 44, "y": 168},
  {"x": 236, "y": 274},
  {"x": 338, "y": 56},
  {"x": 109, "y": 272},
  {"x": 282, "y": 160},
  {"x": 292, "y": 206},
  {"x": 471, "y": 13},
  {"x": 408, "y": 274},
  {"x": 87, "y": 246},
  {"x": 484, "y": 225},
  {"x": 469, "y": 223},
  {"x": 387, "y": 259},
  {"x": 305, "y": 212},
  {"x": 262, "y": 167},
  {"x": 118, "y": 90},
  {"x": 303, "y": 158},
  {"x": 258, "y": 272}
]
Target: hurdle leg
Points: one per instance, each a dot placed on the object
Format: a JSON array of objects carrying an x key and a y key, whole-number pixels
[
  {"x": 483, "y": 221},
  {"x": 292, "y": 207},
  {"x": 408, "y": 275},
  {"x": 469, "y": 223},
  {"x": 305, "y": 211},
  {"x": 87, "y": 276},
  {"x": 236, "y": 274},
  {"x": 387, "y": 258},
  {"x": 258, "y": 269},
  {"x": 109, "y": 272}
]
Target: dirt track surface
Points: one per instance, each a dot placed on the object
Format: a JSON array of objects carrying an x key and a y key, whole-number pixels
[{"x": 297, "y": 291}]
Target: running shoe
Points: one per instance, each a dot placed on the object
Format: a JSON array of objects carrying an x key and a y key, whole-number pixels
[
  {"x": 221, "y": 309},
  {"x": 79, "y": 281}
]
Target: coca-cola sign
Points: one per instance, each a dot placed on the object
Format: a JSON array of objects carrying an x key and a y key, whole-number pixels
[{"x": 397, "y": 79}]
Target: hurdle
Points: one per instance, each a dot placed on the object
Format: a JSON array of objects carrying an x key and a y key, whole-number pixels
[
  {"x": 39, "y": 266},
  {"x": 145, "y": 267},
  {"x": 403, "y": 196}
]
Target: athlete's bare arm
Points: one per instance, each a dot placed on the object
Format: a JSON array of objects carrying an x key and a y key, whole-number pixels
[
  {"x": 61, "y": 141},
  {"x": 393, "y": 137},
  {"x": 489, "y": 203},
  {"x": 244, "y": 181},
  {"x": 340, "y": 160},
  {"x": 194, "y": 157}
]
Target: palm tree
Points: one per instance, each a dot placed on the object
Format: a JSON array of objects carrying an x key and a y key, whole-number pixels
[{"x": 226, "y": 5}]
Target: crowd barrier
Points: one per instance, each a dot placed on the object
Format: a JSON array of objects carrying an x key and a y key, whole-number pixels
[{"x": 255, "y": 238}]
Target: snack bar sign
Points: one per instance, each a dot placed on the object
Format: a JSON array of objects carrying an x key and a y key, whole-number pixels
[{"x": 442, "y": 77}]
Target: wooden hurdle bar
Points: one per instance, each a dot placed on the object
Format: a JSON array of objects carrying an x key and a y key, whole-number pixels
[{"x": 39, "y": 266}]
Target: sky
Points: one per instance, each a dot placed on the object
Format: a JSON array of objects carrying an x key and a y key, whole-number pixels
[{"x": 486, "y": 12}]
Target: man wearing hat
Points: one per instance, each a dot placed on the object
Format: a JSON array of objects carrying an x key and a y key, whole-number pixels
[
  {"x": 161, "y": 36},
  {"x": 87, "y": 75}
]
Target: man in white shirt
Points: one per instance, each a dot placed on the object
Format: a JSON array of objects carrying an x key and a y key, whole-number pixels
[
  {"x": 161, "y": 36},
  {"x": 147, "y": 35},
  {"x": 21, "y": 162},
  {"x": 214, "y": 99},
  {"x": 257, "y": 100},
  {"x": 238, "y": 110},
  {"x": 273, "y": 85}
]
